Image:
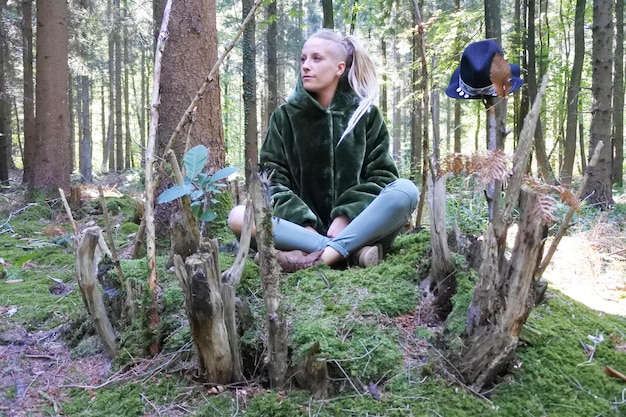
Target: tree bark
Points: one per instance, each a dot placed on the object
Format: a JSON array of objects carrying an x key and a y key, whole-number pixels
[
  {"x": 85, "y": 149},
  {"x": 599, "y": 187},
  {"x": 191, "y": 53},
  {"x": 617, "y": 176},
  {"x": 5, "y": 107},
  {"x": 52, "y": 113},
  {"x": 328, "y": 18},
  {"x": 249, "y": 92},
  {"x": 29, "y": 90}
]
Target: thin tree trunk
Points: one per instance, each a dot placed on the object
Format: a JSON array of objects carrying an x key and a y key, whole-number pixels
[
  {"x": 540, "y": 146},
  {"x": 119, "y": 138},
  {"x": 573, "y": 90},
  {"x": 249, "y": 92},
  {"x": 85, "y": 148},
  {"x": 618, "y": 97},
  {"x": 127, "y": 140},
  {"x": 5, "y": 105}
]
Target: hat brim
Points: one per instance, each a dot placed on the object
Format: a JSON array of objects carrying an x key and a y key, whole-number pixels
[{"x": 452, "y": 90}]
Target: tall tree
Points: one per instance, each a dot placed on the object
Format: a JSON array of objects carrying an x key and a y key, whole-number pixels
[
  {"x": 618, "y": 97},
  {"x": 117, "y": 39},
  {"x": 573, "y": 90},
  {"x": 249, "y": 92},
  {"x": 531, "y": 80},
  {"x": 190, "y": 54},
  {"x": 5, "y": 105},
  {"x": 272, "y": 60},
  {"x": 29, "y": 89},
  {"x": 598, "y": 190},
  {"x": 51, "y": 158},
  {"x": 85, "y": 145}
]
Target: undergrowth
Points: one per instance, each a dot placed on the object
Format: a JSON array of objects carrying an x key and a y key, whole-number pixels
[{"x": 352, "y": 313}]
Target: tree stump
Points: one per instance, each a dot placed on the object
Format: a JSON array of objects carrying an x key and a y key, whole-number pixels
[
  {"x": 199, "y": 276},
  {"x": 90, "y": 248}
]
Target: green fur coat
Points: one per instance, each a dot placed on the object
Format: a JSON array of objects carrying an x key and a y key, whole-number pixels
[{"x": 314, "y": 180}]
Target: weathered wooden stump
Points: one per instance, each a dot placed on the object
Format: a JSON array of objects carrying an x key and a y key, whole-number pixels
[{"x": 90, "y": 248}]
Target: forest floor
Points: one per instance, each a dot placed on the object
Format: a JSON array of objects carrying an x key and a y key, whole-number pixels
[{"x": 588, "y": 267}]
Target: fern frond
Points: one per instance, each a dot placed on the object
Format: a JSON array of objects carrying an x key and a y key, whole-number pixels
[{"x": 544, "y": 210}]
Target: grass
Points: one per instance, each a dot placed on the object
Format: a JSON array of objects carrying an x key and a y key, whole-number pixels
[{"x": 352, "y": 313}]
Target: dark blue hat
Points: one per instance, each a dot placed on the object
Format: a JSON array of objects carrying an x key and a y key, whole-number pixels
[{"x": 472, "y": 79}]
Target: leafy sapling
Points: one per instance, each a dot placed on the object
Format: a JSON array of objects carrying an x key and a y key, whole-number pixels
[{"x": 199, "y": 186}]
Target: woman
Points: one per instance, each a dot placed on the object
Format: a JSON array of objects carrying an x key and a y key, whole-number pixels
[{"x": 334, "y": 185}]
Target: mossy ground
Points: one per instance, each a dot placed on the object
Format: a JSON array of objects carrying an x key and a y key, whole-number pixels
[{"x": 378, "y": 367}]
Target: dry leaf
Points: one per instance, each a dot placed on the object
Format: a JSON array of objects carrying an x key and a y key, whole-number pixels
[
  {"x": 613, "y": 373},
  {"x": 500, "y": 75}
]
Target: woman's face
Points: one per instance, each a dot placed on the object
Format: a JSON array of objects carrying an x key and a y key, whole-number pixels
[{"x": 321, "y": 66}]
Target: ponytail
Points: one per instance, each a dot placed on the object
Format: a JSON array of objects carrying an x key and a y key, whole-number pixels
[{"x": 361, "y": 75}]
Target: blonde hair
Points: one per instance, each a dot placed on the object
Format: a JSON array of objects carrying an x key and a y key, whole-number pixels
[{"x": 361, "y": 74}]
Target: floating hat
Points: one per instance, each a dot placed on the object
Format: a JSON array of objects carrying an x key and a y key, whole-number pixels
[{"x": 484, "y": 72}]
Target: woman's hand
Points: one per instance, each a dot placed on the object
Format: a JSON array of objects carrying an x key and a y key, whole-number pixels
[{"x": 339, "y": 223}]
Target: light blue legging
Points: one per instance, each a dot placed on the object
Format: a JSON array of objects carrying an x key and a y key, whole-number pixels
[{"x": 380, "y": 222}]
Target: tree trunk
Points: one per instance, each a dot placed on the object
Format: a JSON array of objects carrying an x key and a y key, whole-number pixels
[
  {"x": 599, "y": 192},
  {"x": 493, "y": 20},
  {"x": 85, "y": 148},
  {"x": 272, "y": 61},
  {"x": 29, "y": 90},
  {"x": 327, "y": 9},
  {"x": 249, "y": 93},
  {"x": 117, "y": 39},
  {"x": 573, "y": 90},
  {"x": 52, "y": 113},
  {"x": 108, "y": 157},
  {"x": 199, "y": 276},
  {"x": 416, "y": 114},
  {"x": 617, "y": 177},
  {"x": 531, "y": 79},
  {"x": 190, "y": 55},
  {"x": 127, "y": 139},
  {"x": 5, "y": 106}
]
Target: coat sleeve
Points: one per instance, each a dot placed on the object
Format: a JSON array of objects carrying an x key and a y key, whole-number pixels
[
  {"x": 378, "y": 170},
  {"x": 274, "y": 160}
]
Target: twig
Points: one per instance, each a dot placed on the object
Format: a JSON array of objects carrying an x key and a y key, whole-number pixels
[
  {"x": 69, "y": 213},
  {"x": 347, "y": 377},
  {"x": 107, "y": 223}
]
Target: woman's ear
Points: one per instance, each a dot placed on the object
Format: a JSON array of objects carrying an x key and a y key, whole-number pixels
[{"x": 341, "y": 68}]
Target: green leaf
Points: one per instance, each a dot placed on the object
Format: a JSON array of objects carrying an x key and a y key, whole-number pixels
[
  {"x": 171, "y": 194},
  {"x": 196, "y": 195},
  {"x": 223, "y": 173},
  {"x": 195, "y": 160},
  {"x": 208, "y": 216}
]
